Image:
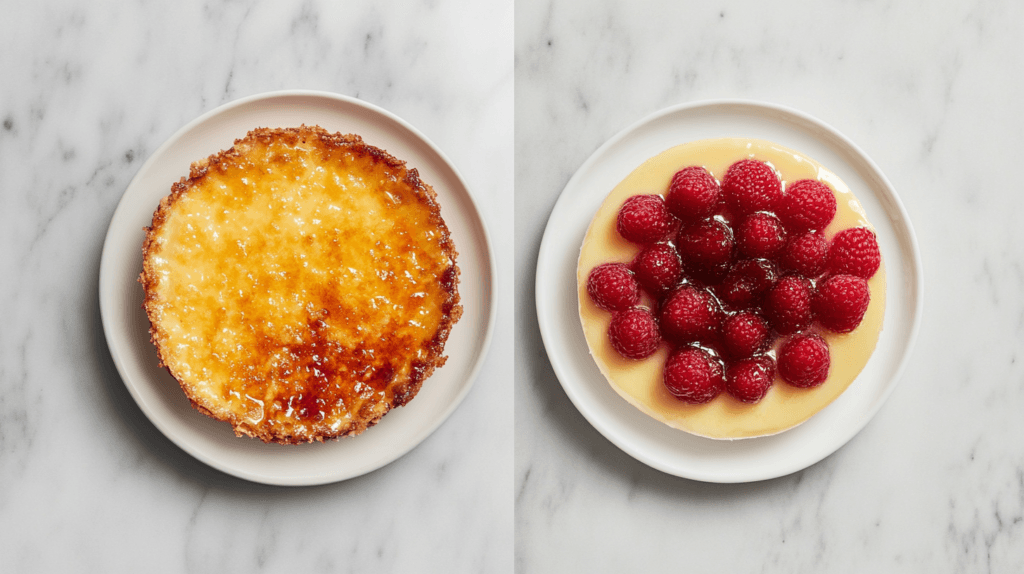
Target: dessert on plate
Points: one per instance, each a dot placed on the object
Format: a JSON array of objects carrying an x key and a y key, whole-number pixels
[
  {"x": 731, "y": 288},
  {"x": 300, "y": 284}
]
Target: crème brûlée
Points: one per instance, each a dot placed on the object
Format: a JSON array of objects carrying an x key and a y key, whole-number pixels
[
  {"x": 640, "y": 381},
  {"x": 300, "y": 284}
]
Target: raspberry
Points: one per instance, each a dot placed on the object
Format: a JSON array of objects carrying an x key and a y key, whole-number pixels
[
  {"x": 804, "y": 361},
  {"x": 693, "y": 194},
  {"x": 711, "y": 258},
  {"x": 749, "y": 380},
  {"x": 760, "y": 235},
  {"x": 807, "y": 205},
  {"x": 693, "y": 375},
  {"x": 854, "y": 251},
  {"x": 658, "y": 268},
  {"x": 707, "y": 245},
  {"x": 841, "y": 301},
  {"x": 612, "y": 287},
  {"x": 744, "y": 334},
  {"x": 645, "y": 219},
  {"x": 634, "y": 333},
  {"x": 788, "y": 304},
  {"x": 747, "y": 282},
  {"x": 690, "y": 315},
  {"x": 750, "y": 185},
  {"x": 805, "y": 254}
]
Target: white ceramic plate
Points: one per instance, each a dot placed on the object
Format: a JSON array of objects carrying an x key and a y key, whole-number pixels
[
  {"x": 160, "y": 397},
  {"x": 650, "y": 441}
]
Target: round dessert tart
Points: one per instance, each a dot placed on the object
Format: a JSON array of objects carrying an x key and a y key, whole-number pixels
[
  {"x": 300, "y": 284},
  {"x": 751, "y": 282}
]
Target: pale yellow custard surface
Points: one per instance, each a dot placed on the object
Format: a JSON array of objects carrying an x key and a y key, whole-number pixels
[
  {"x": 300, "y": 284},
  {"x": 640, "y": 381}
]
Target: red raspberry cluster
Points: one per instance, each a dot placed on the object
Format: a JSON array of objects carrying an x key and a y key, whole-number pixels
[{"x": 733, "y": 268}]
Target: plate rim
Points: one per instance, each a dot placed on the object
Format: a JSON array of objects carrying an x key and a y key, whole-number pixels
[
  {"x": 106, "y": 267},
  {"x": 805, "y": 122}
]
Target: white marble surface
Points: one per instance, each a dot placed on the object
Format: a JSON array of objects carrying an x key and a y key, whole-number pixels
[
  {"x": 935, "y": 483},
  {"x": 88, "y": 92}
]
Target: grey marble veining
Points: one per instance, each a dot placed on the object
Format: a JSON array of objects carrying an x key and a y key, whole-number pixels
[
  {"x": 88, "y": 92},
  {"x": 934, "y": 482}
]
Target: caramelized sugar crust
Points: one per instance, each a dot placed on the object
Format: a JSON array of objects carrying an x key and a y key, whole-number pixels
[{"x": 300, "y": 284}]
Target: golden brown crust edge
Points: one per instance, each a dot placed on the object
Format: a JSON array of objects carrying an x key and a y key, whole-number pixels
[{"x": 451, "y": 309}]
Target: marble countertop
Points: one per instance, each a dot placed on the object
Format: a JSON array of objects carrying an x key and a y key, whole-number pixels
[
  {"x": 88, "y": 93},
  {"x": 935, "y": 482}
]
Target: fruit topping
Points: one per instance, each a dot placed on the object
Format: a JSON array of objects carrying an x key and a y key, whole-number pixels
[
  {"x": 760, "y": 235},
  {"x": 854, "y": 251},
  {"x": 634, "y": 333},
  {"x": 658, "y": 268},
  {"x": 737, "y": 274},
  {"x": 804, "y": 361},
  {"x": 807, "y": 205},
  {"x": 693, "y": 194},
  {"x": 645, "y": 219},
  {"x": 693, "y": 375},
  {"x": 706, "y": 246},
  {"x": 613, "y": 287},
  {"x": 689, "y": 315},
  {"x": 841, "y": 301},
  {"x": 806, "y": 254},
  {"x": 750, "y": 185},
  {"x": 747, "y": 282},
  {"x": 788, "y": 304},
  {"x": 749, "y": 380},
  {"x": 744, "y": 334}
]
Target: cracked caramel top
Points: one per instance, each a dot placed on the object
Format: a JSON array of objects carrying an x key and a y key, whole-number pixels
[{"x": 300, "y": 284}]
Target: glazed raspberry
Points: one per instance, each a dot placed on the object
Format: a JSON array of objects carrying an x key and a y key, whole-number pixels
[
  {"x": 788, "y": 304},
  {"x": 807, "y": 205},
  {"x": 658, "y": 268},
  {"x": 747, "y": 282},
  {"x": 854, "y": 251},
  {"x": 706, "y": 245},
  {"x": 634, "y": 333},
  {"x": 693, "y": 194},
  {"x": 644, "y": 219},
  {"x": 760, "y": 235},
  {"x": 750, "y": 185},
  {"x": 690, "y": 315},
  {"x": 693, "y": 375},
  {"x": 804, "y": 361},
  {"x": 840, "y": 302},
  {"x": 612, "y": 287},
  {"x": 805, "y": 254},
  {"x": 744, "y": 334},
  {"x": 749, "y": 380}
]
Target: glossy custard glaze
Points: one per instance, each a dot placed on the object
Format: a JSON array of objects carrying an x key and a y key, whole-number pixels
[
  {"x": 300, "y": 284},
  {"x": 640, "y": 381}
]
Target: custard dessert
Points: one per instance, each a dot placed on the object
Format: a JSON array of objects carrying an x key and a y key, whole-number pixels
[
  {"x": 300, "y": 284},
  {"x": 731, "y": 288}
]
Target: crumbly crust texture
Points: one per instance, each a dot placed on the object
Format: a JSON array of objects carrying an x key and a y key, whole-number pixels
[{"x": 318, "y": 339}]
